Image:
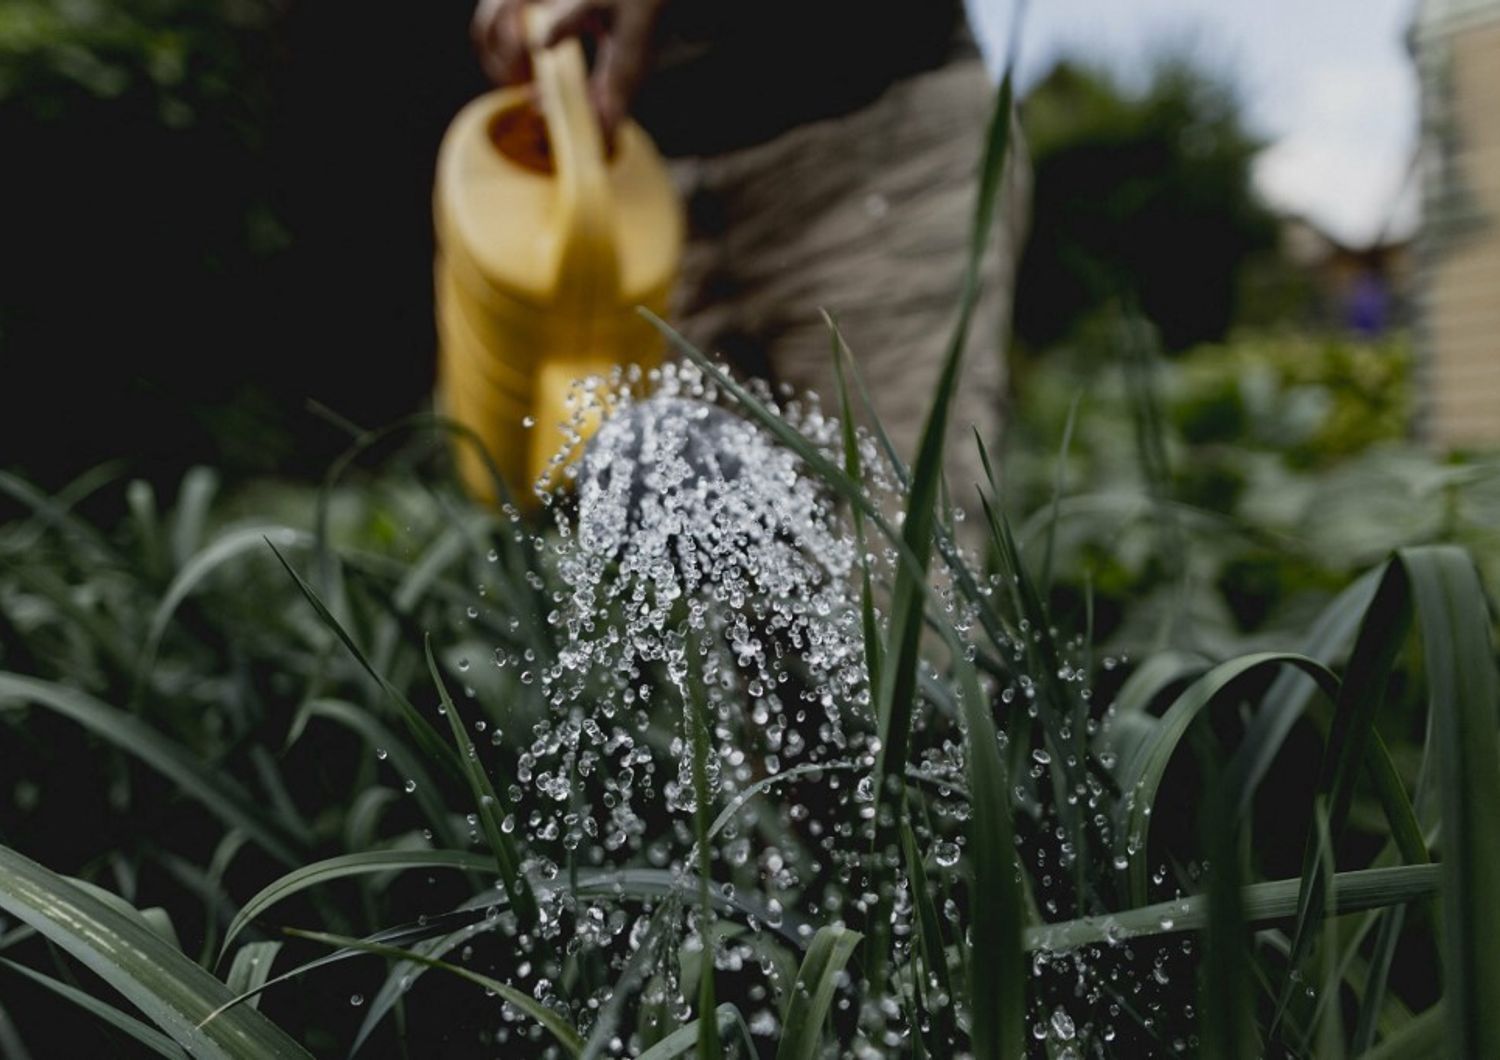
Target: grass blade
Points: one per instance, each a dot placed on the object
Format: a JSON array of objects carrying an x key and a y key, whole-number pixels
[
  {"x": 402, "y": 935},
  {"x": 929, "y": 941},
  {"x": 404, "y": 973},
  {"x": 1422, "y": 1039},
  {"x": 1226, "y": 1027},
  {"x": 148, "y": 1036},
  {"x": 1263, "y": 904},
  {"x": 140, "y": 500},
  {"x": 997, "y": 979},
  {"x": 1288, "y": 697},
  {"x": 422, "y": 732},
  {"x": 727, "y": 1018},
  {"x": 802, "y": 1030},
  {"x": 172, "y": 991},
  {"x": 852, "y": 468},
  {"x": 214, "y": 898},
  {"x": 727, "y": 814},
  {"x": 564, "y": 1033},
  {"x": 1462, "y": 691},
  {"x": 1142, "y": 774},
  {"x": 420, "y": 576},
  {"x": 322, "y": 872},
  {"x": 696, "y": 718},
  {"x": 56, "y": 513},
  {"x": 1371, "y": 1005},
  {"x": 11, "y": 1045},
  {"x": 1381, "y": 634},
  {"x": 219, "y": 794},
  {"x": 61, "y": 594},
  {"x": 1329, "y": 1028},
  {"x": 898, "y": 688},
  {"x": 190, "y": 514},
  {"x": 1157, "y": 673},
  {"x": 1058, "y": 482},
  {"x": 251, "y": 968},
  {"x": 637, "y": 970},
  {"x": 224, "y": 549},
  {"x": 491, "y": 810},
  {"x": 640, "y": 883},
  {"x": 407, "y": 764}
]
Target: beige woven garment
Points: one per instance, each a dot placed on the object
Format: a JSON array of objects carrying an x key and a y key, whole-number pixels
[{"x": 868, "y": 216}]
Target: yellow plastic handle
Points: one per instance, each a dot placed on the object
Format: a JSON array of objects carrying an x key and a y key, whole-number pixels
[{"x": 588, "y": 269}]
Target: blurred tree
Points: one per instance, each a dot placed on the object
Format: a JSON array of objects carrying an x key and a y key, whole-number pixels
[{"x": 1144, "y": 198}]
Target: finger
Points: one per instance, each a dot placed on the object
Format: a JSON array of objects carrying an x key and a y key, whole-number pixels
[
  {"x": 622, "y": 62},
  {"x": 499, "y": 37},
  {"x": 484, "y": 16},
  {"x": 515, "y": 56},
  {"x": 608, "y": 104}
]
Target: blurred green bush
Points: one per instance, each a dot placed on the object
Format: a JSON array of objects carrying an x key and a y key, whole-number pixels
[
  {"x": 1224, "y": 494},
  {"x": 1314, "y": 399},
  {"x": 180, "y": 56}
]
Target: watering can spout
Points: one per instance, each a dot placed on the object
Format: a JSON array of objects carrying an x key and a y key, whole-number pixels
[{"x": 547, "y": 242}]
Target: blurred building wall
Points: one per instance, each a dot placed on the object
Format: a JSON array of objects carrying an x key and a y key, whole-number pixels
[{"x": 1456, "y": 44}]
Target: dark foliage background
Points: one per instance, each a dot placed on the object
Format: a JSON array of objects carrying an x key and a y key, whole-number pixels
[{"x": 213, "y": 210}]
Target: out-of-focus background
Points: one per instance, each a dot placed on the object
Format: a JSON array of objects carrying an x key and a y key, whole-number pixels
[
  {"x": 1303, "y": 199},
  {"x": 215, "y": 213},
  {"x": 214, "y": 210}
]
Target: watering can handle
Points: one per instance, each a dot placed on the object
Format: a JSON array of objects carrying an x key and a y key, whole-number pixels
[{"x": 587, "y": 262}]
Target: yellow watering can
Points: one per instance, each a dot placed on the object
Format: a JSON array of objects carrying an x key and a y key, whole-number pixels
[{"x": 546, "y": 244}]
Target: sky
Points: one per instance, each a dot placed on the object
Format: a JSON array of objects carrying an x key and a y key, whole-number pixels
[{"x": 1328, "y": 84}]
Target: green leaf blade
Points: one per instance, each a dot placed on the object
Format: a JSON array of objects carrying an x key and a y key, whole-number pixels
[
  {"x": 219, "y": 795},
  {"x": 364, "y": 863},
  {"x": 1462, "y": 691},
  {"x": 172, "y": 991},
  {"x": 802, "y": 1030},
  {"x": 490, "y": 809}
]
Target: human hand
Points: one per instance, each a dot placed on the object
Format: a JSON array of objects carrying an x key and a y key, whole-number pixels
[{"x": 622, "y": 29}]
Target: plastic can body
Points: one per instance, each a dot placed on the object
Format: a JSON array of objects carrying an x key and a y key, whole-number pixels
[{"x": 546, "y": 246}]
